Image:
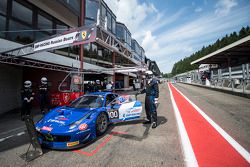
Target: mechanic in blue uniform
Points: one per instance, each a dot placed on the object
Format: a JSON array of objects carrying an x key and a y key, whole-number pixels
[
  {"x": 27, "y": 96},
  {"x": 151, "y": 99},
  {"x": 44, "y": 95}
]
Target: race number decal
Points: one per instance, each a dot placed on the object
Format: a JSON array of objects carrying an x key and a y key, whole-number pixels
[{"x": 113, "y": 114}]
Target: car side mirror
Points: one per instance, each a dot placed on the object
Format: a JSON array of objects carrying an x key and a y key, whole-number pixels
[{"x": 112, "y": 104}]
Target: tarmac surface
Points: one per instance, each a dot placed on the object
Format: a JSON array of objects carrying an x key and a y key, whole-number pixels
[{"x": 132, "y": 143}]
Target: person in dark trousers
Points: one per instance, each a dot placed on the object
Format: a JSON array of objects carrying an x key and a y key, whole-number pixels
[
  {"x": 44, "y": 95},
  {"x": 152, "y": 94},
  {"x": 27, "y": 96}
]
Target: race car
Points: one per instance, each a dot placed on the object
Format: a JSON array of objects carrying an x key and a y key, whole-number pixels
[{"x": 85, "y": 118}]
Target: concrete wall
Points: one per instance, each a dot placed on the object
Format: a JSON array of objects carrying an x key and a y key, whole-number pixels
[{"x": 10, "y": 86}]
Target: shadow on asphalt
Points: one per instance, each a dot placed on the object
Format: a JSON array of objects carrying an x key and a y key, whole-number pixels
[{"x": 161, "y": 120}]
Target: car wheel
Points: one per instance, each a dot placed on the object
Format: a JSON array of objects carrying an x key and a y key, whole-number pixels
[{"x": 101, "y": 124}]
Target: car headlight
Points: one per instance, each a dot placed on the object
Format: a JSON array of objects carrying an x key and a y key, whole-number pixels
[
  {"x": 38, "y": 129},
  {"x": 75, "y": 124}
]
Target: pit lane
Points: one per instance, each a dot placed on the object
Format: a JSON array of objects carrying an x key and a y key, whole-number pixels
[
  {"x": 132, "y": 143},
  {"x": 124, "y": 144}
]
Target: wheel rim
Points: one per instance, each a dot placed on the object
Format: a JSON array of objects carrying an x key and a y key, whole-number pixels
[{"x": 102, "y": 123}]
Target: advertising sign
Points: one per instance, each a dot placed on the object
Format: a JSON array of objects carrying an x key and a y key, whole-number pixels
[
  {"x": 55, "y": 42},
  {"x": 80, "y": 36}
]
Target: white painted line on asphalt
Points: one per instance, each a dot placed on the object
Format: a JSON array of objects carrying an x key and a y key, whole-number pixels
[
  {"x": 18, "y": 134},
  {"x": 2, "y": 139},
  {"x": 243, "y": 152},
  {"x": 189, "y": 156},
  {"x": 21, "y": 133},
  {"x": 12, "y": 130}
]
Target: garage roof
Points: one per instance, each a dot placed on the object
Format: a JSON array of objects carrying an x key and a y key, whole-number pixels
[{"x": 233, "y": 54}]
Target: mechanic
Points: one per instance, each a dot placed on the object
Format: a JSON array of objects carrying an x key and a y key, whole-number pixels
[
  {"x": 44, "y": 95},
  {"x": 27, "y": 96},
  {"x": 109, "y": 86},
  {"x": 151, "y": 99}
]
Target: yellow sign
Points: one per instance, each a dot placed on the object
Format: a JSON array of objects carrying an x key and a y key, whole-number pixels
[
  {"x": 84, "y": 34},
  {"x": 72, "y": 143}
]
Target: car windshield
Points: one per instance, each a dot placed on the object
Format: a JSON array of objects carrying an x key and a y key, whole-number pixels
[{"x": 89, "y": 101}]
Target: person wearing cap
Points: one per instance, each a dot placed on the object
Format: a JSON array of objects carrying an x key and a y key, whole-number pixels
[
  {"x": 27, "y": 97},
  {"x": 151, "y": 99},
  {"x": 44, "y": 95}
]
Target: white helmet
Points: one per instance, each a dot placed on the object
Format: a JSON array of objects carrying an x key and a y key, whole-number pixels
[
  {"x": 44, "y": 80},
  {"x": 27, "y": 84},
  {"x": 149, "y": 74}
]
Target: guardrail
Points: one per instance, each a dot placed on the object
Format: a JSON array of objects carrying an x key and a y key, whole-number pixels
[{"x": 236, "y": 84}]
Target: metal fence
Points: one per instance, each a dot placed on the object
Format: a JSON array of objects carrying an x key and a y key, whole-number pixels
[{"x": 235, "y": 79}]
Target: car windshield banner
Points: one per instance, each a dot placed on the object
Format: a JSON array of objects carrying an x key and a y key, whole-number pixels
[{"x": 79, "y": 36}]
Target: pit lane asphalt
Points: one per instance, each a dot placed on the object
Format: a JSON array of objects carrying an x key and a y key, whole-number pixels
[{"x": 136, "y": 144}]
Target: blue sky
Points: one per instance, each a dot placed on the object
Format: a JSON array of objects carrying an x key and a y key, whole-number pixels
[{"x": 170, "y": 30}]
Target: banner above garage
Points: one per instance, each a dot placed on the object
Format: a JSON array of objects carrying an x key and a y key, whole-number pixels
[{"x": 75, "y": 37}]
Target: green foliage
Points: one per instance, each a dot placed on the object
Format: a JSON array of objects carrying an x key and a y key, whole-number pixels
[
  {"x": 184, "y": 64},
  {"x": 167, "y": 75}
]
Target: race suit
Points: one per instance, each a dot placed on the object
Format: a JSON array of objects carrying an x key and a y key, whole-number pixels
[
  {"x": 152, "y": 92},
  {"x": 44, "y": 97},
  {"x": 27, "y": 96}
]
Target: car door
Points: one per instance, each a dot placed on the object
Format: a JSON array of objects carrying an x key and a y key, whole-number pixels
[
  {"x": 112, "y": 107},
  {"x": 124, "y": 108},
  {"x": 130, "y": 108}
]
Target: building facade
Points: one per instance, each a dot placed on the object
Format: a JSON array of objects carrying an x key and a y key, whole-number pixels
[{"x": 27, "y": 21}]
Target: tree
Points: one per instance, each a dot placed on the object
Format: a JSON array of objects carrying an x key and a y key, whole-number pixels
[{"x": 184, "y": 64}]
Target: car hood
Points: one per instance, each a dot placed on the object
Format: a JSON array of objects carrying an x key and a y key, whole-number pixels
[{"x": 64, "y": 116}]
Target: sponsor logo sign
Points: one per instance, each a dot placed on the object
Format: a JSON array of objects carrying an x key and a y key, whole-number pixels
[
  {"x": 56, "y": 121},
  {"x": 70, "y": 144},
  {"x": 136, "y": 110},
  {"x": 47, "y": 128},
  {"x": 80, "y": 36},
  {"x": 83, "y": 127},
  {"x": 55, "y": 42}
]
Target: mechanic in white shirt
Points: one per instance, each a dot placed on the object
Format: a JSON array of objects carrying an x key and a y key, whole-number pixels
[{"x": 109, "y": 86}]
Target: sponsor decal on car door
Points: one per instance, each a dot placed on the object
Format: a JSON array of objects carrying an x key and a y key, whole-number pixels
[{"x": 129, "y": 111}]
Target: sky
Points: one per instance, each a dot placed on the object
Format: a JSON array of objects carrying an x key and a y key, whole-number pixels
[{"x": 170, "y": 30}]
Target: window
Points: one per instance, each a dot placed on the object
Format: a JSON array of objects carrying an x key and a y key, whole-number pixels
[
  {"x": 103, "y": 12},
  {"x": 109, "y": 21},
  {"x": 120, "y": 33},
  {"x": 3, "y": 6},
  {"x": 129, "y": 39},
  {"x": 113, "y": 25},
  {"x": 75, "y": 4},
  {"x": 91, "y": 9},
  {"x": 89, "y": 22},
  {"x": 88, "y": 101},
  {"x": 110, "y": 98},
  {"x": 44, "y": 23},
  {"x": 2, "y": 26},
  {"x": 21, "y": 12},
  {"x": 60, "y": 27},
  {"x": 41, "y": 35},
  {"x": 20, "y": 36}
]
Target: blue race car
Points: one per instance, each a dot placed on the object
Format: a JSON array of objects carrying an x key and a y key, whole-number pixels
[{"x": 85, "y": 118}]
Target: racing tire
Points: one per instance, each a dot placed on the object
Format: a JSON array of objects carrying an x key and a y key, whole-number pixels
[{"x": 101, "y": 124}]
